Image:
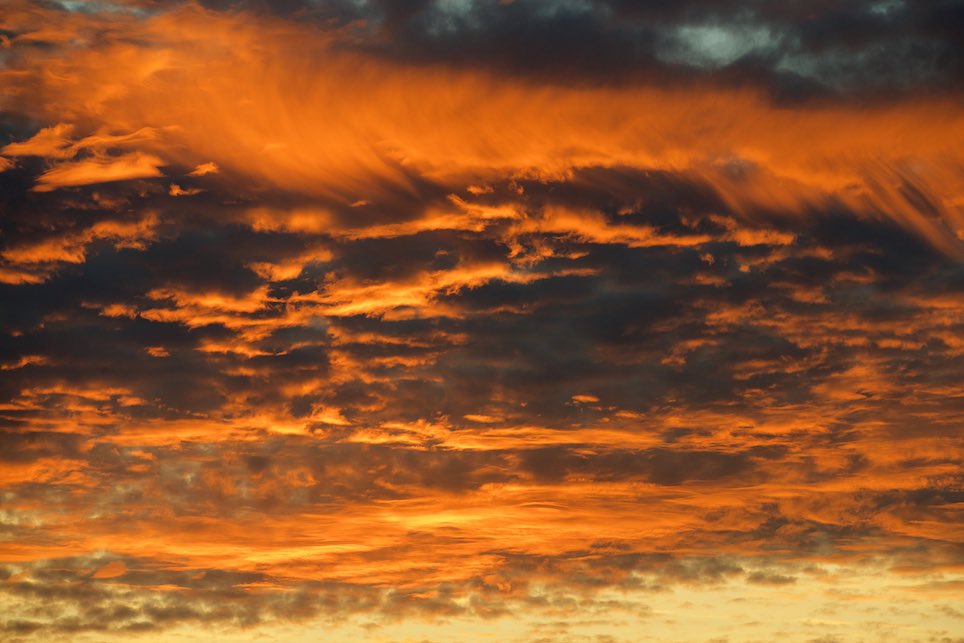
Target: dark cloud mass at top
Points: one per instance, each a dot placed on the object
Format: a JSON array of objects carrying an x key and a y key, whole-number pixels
[
  {"x": 453, "y": 320},
  {"x": 795, "y": 50}
]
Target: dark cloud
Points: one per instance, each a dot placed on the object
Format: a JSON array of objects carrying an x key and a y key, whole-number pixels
[{"x": 795, "y": 51}]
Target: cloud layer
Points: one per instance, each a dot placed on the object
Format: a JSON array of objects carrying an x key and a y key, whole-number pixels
[{"x": 445, "y": 320}]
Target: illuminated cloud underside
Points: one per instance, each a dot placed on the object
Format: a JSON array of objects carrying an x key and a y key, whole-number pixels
[{"x": 380, "y": 323}]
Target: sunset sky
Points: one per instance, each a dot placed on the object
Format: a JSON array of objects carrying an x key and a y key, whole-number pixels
[{"x": 466, "y": 320}]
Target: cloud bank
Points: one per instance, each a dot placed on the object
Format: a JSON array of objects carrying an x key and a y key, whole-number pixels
[{"x": 469, "y": 320}]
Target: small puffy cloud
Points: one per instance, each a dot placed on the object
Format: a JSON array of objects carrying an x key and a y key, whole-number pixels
[
  {"x": 204, "y": 169},
  {"x": 177, "y": 190}
]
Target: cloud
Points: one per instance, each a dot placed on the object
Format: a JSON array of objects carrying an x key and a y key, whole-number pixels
[
  {"x": 49, "y": 142},
  {"x": 875, "y": 159},
  {"x": 177, "y": 190},
  {"x": 135, "y": 165},
  {"x": 204, "y": 169},
  {"x": 506, "y": 320}
]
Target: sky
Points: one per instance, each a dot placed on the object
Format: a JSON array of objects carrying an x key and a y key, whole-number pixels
[{"x": 468, "y": 320}]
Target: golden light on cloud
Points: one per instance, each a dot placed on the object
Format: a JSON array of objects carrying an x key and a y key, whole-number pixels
[
  {"x": 358, "y": 126},
  {"x": 480, "y": 321}
]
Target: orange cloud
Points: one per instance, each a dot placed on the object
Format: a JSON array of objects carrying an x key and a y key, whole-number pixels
[
  {"x": 135, "y": 165},
  {"x": 50, "y": 142},
  {"x": 214, "y": 84},
  {"x": 204, "y": 169},
  {"x": 406, "y": 357},
  {"x": 72, "y": 247}
]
